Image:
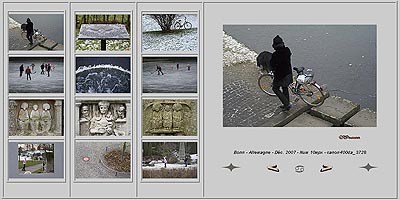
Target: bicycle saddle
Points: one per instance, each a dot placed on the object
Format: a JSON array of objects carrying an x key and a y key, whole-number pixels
[{"x": 298, "y": 69}]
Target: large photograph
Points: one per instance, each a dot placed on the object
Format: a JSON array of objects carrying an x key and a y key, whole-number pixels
[{"x": 299, "y": 75}]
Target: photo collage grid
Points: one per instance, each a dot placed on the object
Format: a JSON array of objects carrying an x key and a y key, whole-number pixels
[{"x": 105, "y": 97}]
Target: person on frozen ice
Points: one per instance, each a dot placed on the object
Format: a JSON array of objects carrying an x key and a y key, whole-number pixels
[
  {"x": 21, "y": 70},
  {"x": 28, "y": 73}
]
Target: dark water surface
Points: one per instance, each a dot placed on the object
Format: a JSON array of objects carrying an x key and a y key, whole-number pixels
[{"x": 342, "y": 56}]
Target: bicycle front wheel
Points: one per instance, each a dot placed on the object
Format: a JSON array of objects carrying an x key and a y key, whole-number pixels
[
  {"x": 187, "y": 25},
  {"x": 265, "y": 84},
  {"x": 311, "y": 94}
]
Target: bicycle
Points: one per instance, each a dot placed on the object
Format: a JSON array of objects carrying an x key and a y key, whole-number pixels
[
  {"x": 179, "y": 24},
  {"x": 304, "y": 87},
  {"x": 37, "y": 35}
]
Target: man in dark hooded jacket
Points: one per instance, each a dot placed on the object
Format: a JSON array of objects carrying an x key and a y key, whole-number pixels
[
  {"x": 282, "y": 68},
  {"x": 29, "y": 30}
]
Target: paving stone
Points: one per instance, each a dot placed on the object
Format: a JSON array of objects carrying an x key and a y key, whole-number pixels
[
  {"x": 307, "y": 120},
  {"x": 364, "y": 118},
  {"x": 336, "y": 110}
]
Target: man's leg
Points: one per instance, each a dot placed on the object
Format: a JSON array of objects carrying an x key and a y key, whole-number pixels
[
  {"x": 279, "y": 93},
  {"x": 286, "y": 94}
]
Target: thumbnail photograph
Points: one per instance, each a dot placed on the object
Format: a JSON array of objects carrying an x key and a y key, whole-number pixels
[
  {"x": 103, "y": 75},
  {"x": 169, "y": 75},
  {"x": 299, "y": 75},
  {"x": 32, "y": 117},
  {"x": 169, "y": 160},
  {"x": 36, "y": 75},
  {"x": 103, "y": 32},
  {"x": 169, "y": 117},
  {"x": 35, "y": 158},
  {"x": 36, "y": 32},
  {"x": 102, "y": 160},
  {"x": 103, "y": 118},
  {"x": 170, "y": 32}
]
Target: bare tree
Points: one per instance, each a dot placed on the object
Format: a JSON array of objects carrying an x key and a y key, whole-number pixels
[{"x": 164, "y": 21}]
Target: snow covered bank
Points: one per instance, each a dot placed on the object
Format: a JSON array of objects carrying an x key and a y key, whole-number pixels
[{"x": 235, "y": 52}]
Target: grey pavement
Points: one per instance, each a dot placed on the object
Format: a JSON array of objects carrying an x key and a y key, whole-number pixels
[
  {"x": 93, "y": 168},
  {"x": 245, "y": 105},
  {"x": 16, "y": 42}
]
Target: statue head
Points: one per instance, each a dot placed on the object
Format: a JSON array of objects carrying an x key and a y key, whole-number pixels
[
  {"x": 157, "y": 107},
  {"x": 24, "y": 106},
  {"x": 177, "y": 107},
  {"x": 121, "y": 111},
  {"x": 35, "y": 107},
  {"x": 85, "y": 111},
  {"x": 46, "y": 106},
  {"x": 103, "y": 106}
]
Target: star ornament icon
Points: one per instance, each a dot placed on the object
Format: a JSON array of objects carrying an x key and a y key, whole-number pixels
[
  {"x": 368, "y": 167},
  {"x": 231, "y": 167}
]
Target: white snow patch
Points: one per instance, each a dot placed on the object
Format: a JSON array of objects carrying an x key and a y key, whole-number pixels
[
  {"x": 102, "y": 66},
  {"x": 236, "y": 52},
  {"x": 12, "y": 23}
]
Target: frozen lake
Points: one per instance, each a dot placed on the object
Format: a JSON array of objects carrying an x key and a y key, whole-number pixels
[
  {"x": 174, "y": 80},
  {"x": 342, "y": 56},
  {"x": 40, "y": 83}
]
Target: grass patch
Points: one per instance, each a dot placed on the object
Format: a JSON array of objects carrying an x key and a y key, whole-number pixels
[{"x": 28, "y": 163}]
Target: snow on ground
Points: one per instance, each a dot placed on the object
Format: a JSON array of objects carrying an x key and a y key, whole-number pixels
[
  {"x": 40, "y": 83},
  {"x": 95, "y": 45},
  {"x": 148, "y": 24},
  {"x": 160, "y": 165},
  {"x": 235, "y": 52},
  {"x": 13, "y": 24},
  {"x": 173, "y": 80},
  {"x": 178, "y": 40}
]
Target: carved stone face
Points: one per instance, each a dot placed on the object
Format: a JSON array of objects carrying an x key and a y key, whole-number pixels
[
  {"x": 103, "y": 107},
  {"x": 85, "y": 111},
  {"x": 24, "y": 106},
  {"x": 167, "y": 108},
  {"x": 35, "y": 107},
  {"x": 157, "y": 107},
  {"x": 121, "y": 112}
]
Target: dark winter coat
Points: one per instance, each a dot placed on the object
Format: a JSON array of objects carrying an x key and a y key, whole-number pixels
[
  {"x": 280, "y": 63},
  {"x": 29, "y": 28}
]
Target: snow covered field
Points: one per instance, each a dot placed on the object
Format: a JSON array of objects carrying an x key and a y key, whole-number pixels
[
  {"x": 40, "y": 83},
  {"x": 173, "y": 80},
  {"x": 177, "y": 40}
]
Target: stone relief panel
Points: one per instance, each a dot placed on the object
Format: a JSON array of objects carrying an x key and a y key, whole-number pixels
[
  {"x": 35, "y": 117},
  {"x": 169, "y": 117},
  {"x": 103, "y": 118}
]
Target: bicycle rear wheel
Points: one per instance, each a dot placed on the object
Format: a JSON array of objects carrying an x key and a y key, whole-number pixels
[
  {"x": 177, "y": 25},
  {"x": 265, "y": 84},
  {"x": 311, "y": 94},
  {"x": 23, "y": 35},
  {"x": 187, "y": 25}
]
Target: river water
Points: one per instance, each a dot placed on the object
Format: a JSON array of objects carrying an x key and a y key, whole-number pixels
[
  {"x": 342, "y": 56},
  {"x": 50, "y": 25}
]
